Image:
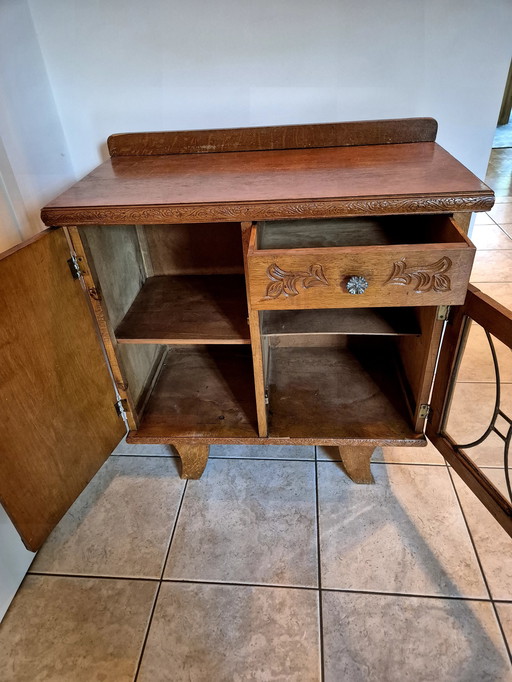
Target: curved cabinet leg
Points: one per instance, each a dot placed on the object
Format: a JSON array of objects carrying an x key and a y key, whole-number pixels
[
  {"x": 193, "y": 459},
  {"x": 356, "y": 462}
]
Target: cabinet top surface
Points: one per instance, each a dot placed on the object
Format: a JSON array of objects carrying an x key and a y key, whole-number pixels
[{"x": 319, "y": 182}]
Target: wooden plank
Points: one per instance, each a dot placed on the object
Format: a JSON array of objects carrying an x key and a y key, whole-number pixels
[
  {"x": 375, "y": 321},
  {"x": 188, "y": 309},
  {"x": 202, "y": 391},
  {"x": 416, "y": 440},
  {"x": 348, "y": 133},
  {"x": 206, "y": 249},
  {"x": 337, "y": 393},
  {"x": 258, "y": 349},
  {"x": 263, "y": 185},
  {"x": 58, "y": 418}
]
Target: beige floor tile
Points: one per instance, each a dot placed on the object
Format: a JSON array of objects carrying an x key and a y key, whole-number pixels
[
  {"x": 264, "y": 451},
  {"x": 493, "y": 544},
  {"x": 213, "y": 633},
  {"x": 120, "y": 525},
  {"x": 507, "y": 228},
  {"x": 500, "y": 291},
  {"x": 394, "y": 455},
  {"x": 501, "y": 212},
  {"x": 383, "y": 638},
  {"x": 505, "y": 616},
  {"x": 470, "y": 415},
  {"x": 477, "y": 363},
  {"x": 137, "y": 449},
  {"x": 404, "y": 534},
  {"x": 483, "y": 219},
  {"x": 248, "y": 521},
  {"x": 490, "y": 237},
  {"x": 75, "y": 630},
  {"x": 492, "y": 266}
]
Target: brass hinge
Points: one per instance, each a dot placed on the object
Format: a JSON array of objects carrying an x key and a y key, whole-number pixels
[
  {"x": 120, "y": 406},
  {"x": 74, "y": 267},
  {"x": 424, "y": 411},
  {"x": 443, "y": 312}
]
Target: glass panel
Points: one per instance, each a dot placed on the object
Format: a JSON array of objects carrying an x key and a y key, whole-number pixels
[{"x": 480, "y": 414}]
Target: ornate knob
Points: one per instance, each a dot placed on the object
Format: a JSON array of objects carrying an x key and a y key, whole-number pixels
[{"x": 357, "y": 285}]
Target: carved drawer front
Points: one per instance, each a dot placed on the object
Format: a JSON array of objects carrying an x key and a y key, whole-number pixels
[{"x": 392, "y": 261}]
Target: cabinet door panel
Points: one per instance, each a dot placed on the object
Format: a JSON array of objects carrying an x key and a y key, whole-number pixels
[
  {"x": 57, "y": 415},
  {"x": 474, "y": 432}
]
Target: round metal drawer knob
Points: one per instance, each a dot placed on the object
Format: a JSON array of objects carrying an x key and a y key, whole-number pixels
[{"x": 357, "y": 285}]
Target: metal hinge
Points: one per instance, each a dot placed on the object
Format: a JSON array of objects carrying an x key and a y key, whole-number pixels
[
  {"x": 74, "y": 267},
  {"x": 424, "y": 411},
  {"x": 266, "y": 398},
  {"x": 120, "y": 406},
  {"x": 443, "y": 312}
]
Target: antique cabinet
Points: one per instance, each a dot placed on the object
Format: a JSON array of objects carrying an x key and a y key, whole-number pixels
[{"x": 285, "y": 285}]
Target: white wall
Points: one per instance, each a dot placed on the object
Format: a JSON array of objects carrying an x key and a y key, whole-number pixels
[
  {"x": 34, "y": 163},
  {"x": 126, "y": 65},
  {"x": 34, "y": 166}
]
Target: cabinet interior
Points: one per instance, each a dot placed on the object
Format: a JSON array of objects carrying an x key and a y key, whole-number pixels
[
  {"x": 347, "y": 232},
  {"x": 175, "y": 301}
]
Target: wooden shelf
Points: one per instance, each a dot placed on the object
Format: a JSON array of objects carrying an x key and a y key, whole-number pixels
[
  {"x": 188, "y": 309},
  {"x": 367, "y": 321},
  {"x": 344, "y": 392},
  {"x": 202, "y": 391}
]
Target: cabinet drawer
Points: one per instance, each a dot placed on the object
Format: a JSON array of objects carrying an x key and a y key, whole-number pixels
[{"x": 348, "y": 263}]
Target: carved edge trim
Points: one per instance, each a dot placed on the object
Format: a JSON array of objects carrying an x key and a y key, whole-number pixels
[{"x": 198, "y": 213}]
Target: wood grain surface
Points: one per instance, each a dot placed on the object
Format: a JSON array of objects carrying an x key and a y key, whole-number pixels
[
  {"x": 292, "y": 183},
  {"x": 350, "y": 392},
  {"x": 347, "y": 133},
  {"x": 202, "y": 391},
  {"x": 58, "y": 418},
  {"x": 188, "y": 309}
]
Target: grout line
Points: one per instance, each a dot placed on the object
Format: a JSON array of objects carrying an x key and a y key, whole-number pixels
[
  {"x": 157, "y": 593},
  {"x": 496, "y": 615},
  {"x": 99, "y": 577},
  {"x": 319, "y": 560},
  {"x": 408, "y": 595},
  {"x": 192, "y": 581}
]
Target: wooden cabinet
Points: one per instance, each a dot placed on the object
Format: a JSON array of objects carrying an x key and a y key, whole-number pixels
[{"x": 283, "y": 285}]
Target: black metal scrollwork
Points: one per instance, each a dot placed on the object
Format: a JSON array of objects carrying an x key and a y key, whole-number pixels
[{"x": 498, "y": 412}]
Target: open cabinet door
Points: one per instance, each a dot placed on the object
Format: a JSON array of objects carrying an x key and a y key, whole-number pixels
[
  {"x": 481, "y": 446},
  {"x": 58, "y": 421}
]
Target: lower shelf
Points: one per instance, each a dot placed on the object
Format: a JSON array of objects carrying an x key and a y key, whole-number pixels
[
  {"x": 202, "y": 391},
  {"x": 350, "y": 392}
]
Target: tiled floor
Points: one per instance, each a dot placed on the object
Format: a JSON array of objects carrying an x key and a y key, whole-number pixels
[{"x": 275, "y": 566}]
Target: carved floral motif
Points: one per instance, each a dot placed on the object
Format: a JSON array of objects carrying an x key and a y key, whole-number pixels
[
  {"x": 425, "y": 278},
  {"x": 286, "y": 283}
]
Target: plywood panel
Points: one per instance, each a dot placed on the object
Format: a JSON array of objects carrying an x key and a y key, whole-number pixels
[
  {"x": 58, "y": 422},
  {"x": 200, "y": 250}
]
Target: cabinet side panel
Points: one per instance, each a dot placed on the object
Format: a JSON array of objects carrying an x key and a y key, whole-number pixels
[
  {"x": 58, "y": 421},
  {"x": 419, "y": 358},
  {"x": 117, "y": 269}
]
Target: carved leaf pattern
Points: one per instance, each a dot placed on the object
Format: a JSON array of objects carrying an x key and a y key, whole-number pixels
[
  {"x": 261, "y": 211},
  {"x": 425, "y": 278},
  {"x": 287, "y": 283}
]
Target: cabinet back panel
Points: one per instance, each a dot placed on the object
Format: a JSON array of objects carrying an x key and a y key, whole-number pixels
[{"x": 201, "y": 249}]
